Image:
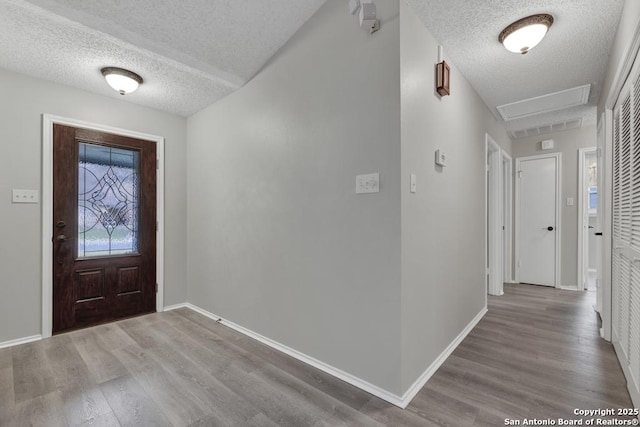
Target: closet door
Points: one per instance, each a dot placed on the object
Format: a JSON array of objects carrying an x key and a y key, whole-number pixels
[{"x": 626, "y": 231}]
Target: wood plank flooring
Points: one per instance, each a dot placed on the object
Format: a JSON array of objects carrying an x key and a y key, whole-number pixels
[{"x": 536, "y": 354}]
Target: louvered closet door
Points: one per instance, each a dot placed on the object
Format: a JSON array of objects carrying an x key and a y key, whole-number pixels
[
  {"x": 626, "y": 231},
  {"x": 634, "y": 237},
  {"x": 615, "y": 262}
]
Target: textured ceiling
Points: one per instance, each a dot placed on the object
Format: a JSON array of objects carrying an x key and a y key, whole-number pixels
[
  {"x": 190, "y": 54},
  {"x": 574, "y": 52},
  {"x": 193, "y": 53}
]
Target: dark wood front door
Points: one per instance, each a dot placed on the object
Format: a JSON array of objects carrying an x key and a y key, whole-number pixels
[{"x": 104, "y": 222}]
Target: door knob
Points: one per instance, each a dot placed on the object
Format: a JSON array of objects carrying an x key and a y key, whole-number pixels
[
  {"x": 550, "y": 228},
  {"x": 61, "y": 238}
]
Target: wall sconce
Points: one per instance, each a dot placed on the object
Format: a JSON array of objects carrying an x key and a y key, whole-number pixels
[
  {"x": 121, "y": 80},
  {"x": 442, "y": 75}
]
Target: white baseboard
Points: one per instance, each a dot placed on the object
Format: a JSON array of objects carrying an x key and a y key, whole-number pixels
[
  {"x": 331, "y": 370},
  {"x": 392, "y": 398},
  {"x": 420, "y": 382},
  {"x": 175, "y": 306},
  {"x": 19, "y": 341}
]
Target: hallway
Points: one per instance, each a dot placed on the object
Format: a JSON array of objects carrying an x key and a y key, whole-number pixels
[{"x": 536, "y": 354}]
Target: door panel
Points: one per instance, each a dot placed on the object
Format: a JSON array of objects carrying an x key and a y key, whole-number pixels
[
  {"x": 104, "y": 221},
  {"x": 538, "y": 228}
]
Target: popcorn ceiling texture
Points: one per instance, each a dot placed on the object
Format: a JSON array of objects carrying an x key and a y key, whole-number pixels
[
  {"x": 574, "y": 53},
  {"x": 190, "y": 54},
  {"x": 193, "y": 53}
]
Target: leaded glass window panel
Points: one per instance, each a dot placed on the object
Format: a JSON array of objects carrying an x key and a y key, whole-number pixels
[{"x": 108, "y": 200}]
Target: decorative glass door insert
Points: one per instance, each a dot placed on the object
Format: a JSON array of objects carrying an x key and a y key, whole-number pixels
[
  {"x": 104, "y": 222},
  {"x": 108, "y": 200}
]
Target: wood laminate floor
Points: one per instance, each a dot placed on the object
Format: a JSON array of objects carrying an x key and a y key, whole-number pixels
[{"x": 536, "y": 354}]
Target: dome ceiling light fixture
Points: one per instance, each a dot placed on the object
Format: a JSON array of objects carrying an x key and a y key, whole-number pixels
[
  {"x": 123, "y": 81},
  {"x": 524, "y": 34}
]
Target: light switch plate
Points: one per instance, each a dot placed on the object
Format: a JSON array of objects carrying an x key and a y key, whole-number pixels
[
  {"x": 369, "y": 183},
  {"x": 24, "y": 196},
  {"x": 569, "y": 201},
  {"x": 441, "y": 158}
]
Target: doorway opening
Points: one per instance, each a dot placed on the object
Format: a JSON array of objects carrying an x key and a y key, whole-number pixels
[
  {"x": 588, "y": 239},
  {"x": 498, "y": 214}
]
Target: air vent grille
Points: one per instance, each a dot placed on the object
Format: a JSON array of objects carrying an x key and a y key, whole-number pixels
[{"x": 546, "y": 129}]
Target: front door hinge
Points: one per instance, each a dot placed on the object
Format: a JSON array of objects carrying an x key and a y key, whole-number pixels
[
  {"x": 156, "y": 288},
  {"x": 157, "y": 163},
  {"x": 157, "y": 226}
]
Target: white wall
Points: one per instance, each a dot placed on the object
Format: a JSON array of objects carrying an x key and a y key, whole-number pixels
[
  {"x": 566, "y": 142},
  {"x": 23, "y": 100},
  {"x": 443, "y": 223},
  {"x": 278, "y": 240}
]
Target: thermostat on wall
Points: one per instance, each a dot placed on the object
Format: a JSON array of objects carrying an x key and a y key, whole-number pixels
[{"x": 441, "y": 158}]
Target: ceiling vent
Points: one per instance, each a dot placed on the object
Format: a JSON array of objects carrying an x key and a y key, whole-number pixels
[
  {"x": 546, "y": 129},
  {"x": 545, "y": 103}
]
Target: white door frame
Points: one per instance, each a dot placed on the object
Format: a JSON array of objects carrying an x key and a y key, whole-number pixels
[
  {"x": 602, "y": 168},
  {"x": 582, "y": 157},
  {"x": 558, "y": 226},
  {"x": 623, "y": 70},
  {"x": 495, "y": 211},
  {"x": 605, "y": 199},
  {"x": 507, "y": 182},
  {"x": 47, "y": 209}
]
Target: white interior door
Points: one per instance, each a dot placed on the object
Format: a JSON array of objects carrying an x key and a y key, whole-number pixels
[
  {"x": 507, "y": 217},
  {"x": 600, "y": 206},
  {"x": 495, "y": 212},
  {"x": 538, "y": 224}
]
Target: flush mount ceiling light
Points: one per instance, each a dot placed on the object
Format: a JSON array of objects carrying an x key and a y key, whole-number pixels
[
  {"x": 524, "y": 34},
  {"x": 123, "y": 81}
]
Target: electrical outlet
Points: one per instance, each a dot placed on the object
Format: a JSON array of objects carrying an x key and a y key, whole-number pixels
[{"x": 24, "y": 196}]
